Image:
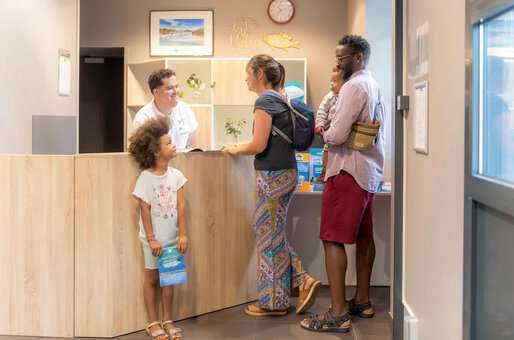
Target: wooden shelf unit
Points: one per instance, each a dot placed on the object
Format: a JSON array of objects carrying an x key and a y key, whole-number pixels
[{"x": 224, "y": 92}]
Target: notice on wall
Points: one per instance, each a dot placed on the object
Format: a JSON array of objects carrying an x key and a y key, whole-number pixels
[
  {"x": 64, "y": 77},
  {"x": 419, "y": 51},
  {"x": 421, "y": 117}
]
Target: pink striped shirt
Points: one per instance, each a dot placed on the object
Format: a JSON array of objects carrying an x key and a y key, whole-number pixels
[{"x": 358, "y": 99}]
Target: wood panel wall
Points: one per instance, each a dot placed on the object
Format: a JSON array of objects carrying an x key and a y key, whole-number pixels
[
  {"x": 109, "y": 261},
  {"x": 36, "y": 247}
]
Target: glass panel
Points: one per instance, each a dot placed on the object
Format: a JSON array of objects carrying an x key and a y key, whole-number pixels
[
  {"x": 496, "y": 91},
  {"x": 493, "y": 311}
]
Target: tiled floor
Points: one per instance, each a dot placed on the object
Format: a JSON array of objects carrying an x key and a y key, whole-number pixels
[{"x": 234, "y": 324}]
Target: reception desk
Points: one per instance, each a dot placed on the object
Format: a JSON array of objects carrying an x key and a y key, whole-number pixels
[{"x": 70, "y": 254}]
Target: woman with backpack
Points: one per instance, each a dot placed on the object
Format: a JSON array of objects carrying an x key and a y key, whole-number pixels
[{"x": 279, "y": 269}]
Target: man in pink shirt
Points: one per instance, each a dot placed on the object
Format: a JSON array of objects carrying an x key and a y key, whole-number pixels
[{"x": 352, "y": 177}]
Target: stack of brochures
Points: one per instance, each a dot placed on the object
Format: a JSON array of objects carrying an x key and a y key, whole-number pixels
[{"x": 310, "y": 164}]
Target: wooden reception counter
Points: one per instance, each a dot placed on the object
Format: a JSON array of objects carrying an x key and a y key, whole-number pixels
[{"x": 70, "y": 254}]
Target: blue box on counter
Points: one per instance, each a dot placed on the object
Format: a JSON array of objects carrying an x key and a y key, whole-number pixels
[
  {"x": 303, "y": 165},
  {"x": 316, "y": 167}
]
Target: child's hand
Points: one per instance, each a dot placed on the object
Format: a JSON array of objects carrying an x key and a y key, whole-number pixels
[
  {"x": 182, "y": 244},
  {"x": 156, "y": 248},
  {"x": 319, "y": 130}
]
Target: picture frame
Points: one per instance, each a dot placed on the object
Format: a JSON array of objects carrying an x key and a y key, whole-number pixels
[{"x": 181, "y": 33}]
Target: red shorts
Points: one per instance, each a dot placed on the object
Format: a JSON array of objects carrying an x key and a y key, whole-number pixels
[{"x": 346, "y": 210}]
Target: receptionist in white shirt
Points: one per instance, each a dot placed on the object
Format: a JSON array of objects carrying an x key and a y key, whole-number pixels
[{"x": 183, "y": 124}]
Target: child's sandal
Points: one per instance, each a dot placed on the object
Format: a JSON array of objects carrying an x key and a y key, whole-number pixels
[
  {"x": 173, "y": 332},
  {"x": 157, "y": 334}
]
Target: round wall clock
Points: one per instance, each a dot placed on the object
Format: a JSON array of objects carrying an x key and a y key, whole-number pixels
[{"x": 281, "y": 11}]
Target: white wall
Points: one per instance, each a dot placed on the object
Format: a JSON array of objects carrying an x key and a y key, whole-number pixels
[
  {"x": 31, "y": 32},
  {"x": 357, "y": 17},
  {"x": 434, "y": 184}
]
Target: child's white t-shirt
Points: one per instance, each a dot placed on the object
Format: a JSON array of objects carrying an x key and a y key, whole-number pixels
[{"x": 160, "y": 192}]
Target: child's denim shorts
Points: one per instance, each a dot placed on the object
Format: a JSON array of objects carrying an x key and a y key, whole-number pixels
[{"x": 152, "y": 262}]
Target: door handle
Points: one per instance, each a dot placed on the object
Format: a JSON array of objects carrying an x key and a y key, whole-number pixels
[{"x": 402, "y": 104}]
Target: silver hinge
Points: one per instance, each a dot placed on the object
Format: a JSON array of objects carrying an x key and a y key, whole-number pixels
[{"x": 402, "y": 103}]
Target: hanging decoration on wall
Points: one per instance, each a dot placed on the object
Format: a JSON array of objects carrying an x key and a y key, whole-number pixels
[
  {"x": 242, "y": 35},
  {"x": 283, "y": 41},
  {"x": 181, "y": 33}
]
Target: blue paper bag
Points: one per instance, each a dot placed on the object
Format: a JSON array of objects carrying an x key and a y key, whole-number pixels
[{"x": 172, "y": 267}]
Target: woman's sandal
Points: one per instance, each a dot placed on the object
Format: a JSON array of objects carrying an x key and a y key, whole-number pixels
[
  {"x": 362, "y": 310},
  {"x": 157, "y": 334},
  {"x": 256, "y": 310},
  {"x": 307, "y": 295},
  {"x": 173, "y": 332},
  {"x": 328, "y": 323}
]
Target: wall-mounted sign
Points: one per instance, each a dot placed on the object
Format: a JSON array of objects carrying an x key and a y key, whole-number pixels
[
  {"x": 421, "y": 117},
  {"x": 64, "y": 73},
  {"x": 419, "y": 55}
]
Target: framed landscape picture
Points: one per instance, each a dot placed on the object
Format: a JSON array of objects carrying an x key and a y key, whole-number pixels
[{"x": 181, "y": 33}]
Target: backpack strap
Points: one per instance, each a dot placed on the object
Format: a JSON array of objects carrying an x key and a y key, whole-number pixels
[{"x": 275, "y": 130}]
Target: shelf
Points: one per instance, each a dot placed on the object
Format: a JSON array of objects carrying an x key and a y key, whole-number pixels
[
  {"x": 318, "y": 193},
  {"x": 135, "y": 106}
]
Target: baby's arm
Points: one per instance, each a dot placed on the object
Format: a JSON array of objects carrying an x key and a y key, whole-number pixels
[
  {"x": 322, "y": 114},
  {"x": 155, "y": 246},
  {"x": 181, "y": 208}
]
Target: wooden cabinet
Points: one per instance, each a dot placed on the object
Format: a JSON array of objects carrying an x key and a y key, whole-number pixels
[
  {"x": 70, "y": 254},
  {"x": 222, "y": 95},
  {"x": 37, "y": 245},
  {"x": 229, "y": 83}
]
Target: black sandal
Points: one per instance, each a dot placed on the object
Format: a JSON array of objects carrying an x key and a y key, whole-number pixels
[
  {"x": 359, "y": 309},
  {"x": 327, "y": 323}
]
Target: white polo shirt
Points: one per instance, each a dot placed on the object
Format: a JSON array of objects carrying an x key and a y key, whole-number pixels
[{"x": 182, "y": 121}]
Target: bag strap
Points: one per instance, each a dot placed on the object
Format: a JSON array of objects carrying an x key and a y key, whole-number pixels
[
  {"x": 377, "y": 106},
  {"x": 275, "y": 130}
]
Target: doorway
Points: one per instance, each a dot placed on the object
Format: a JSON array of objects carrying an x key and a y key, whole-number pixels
[
  {"x": 101, "y": 100},
  {"x": 489, "y": 187}
]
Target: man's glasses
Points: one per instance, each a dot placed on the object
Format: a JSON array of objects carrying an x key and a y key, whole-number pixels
[{"x": 343, "y": 57}]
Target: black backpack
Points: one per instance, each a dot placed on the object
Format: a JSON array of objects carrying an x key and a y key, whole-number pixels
[{"x": 303, "y": 120}]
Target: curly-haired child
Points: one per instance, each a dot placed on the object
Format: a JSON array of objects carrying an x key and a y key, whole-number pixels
[{"x": 159, "y": 190}]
